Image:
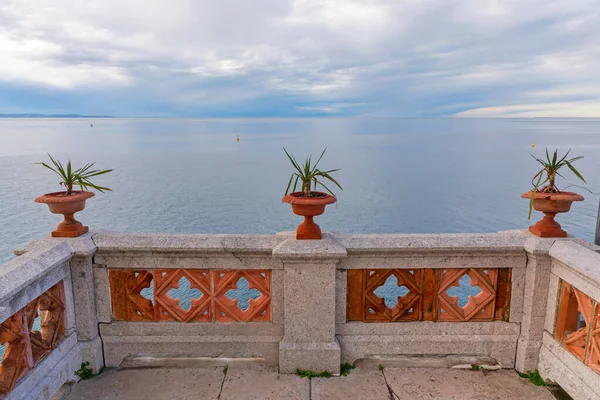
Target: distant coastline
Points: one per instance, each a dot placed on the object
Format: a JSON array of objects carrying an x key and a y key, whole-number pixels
[{"x": 30, "y": 115}]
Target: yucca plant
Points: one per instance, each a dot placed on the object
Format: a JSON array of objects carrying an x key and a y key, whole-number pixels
[
  {"x": 547, "y": 175},
  {"x": 79, "y": 177},
  {"x": 308, "y": 174}
]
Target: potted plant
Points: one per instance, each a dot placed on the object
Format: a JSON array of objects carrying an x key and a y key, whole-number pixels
[
  {"x": 71, "y": 201},
  {"x": 309, "y": 203},
  {"x": 549, "y": 199}
]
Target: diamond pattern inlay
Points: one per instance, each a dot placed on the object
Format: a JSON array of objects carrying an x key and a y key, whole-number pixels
[
  {"x": 405, "y": 308},
  {"x": 190, "y": 295},
  {"x": 229, "y": 310},
  {"x": 169, "y": 309},
  {"x": 480, "y": 307},
  {"x": 428, "y": 294}
]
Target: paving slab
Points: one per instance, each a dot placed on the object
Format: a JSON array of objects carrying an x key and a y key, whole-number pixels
[
  {"x": 263, "y": 384},
  {"x": 360, "y": 384},
  {"x": 151, "y": 384},
  {"x": 446, "y": 384}
]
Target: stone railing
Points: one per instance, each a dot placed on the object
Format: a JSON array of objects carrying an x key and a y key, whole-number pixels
[
  {"x": 154, "y": 299},
  {"x": 41, "y": 341},
  {"x": 570, "y": 353}
]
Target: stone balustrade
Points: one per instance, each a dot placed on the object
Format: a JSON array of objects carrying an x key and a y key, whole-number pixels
[{"x": 113, "y": 299}]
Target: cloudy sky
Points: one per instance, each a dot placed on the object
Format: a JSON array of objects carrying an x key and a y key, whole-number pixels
[{"x": 301, "y": 57}]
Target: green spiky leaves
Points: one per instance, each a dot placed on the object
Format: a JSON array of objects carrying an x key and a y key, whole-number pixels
[
  {"x": 547, "y": 175},
  {"x": 308, "y": 174},
  {"x": 79, "y": 177}
]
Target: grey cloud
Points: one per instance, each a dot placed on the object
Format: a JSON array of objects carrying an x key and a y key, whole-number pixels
[{"x": 393, "y": 57}]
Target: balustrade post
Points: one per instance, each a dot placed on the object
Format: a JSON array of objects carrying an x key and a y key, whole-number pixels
[
  {"x": 309, "y": 341},
  {"x": 537, "y": 283},
  {"x": 84, "y": 299}
]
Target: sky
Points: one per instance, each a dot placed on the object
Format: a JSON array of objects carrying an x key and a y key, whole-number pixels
[{"x": 298, "y": 58}]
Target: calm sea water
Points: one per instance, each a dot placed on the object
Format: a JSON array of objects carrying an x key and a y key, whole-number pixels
[{"x": 191, "y": 176}]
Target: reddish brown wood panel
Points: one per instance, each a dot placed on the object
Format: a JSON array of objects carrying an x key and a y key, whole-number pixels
[
  {"x": 503, "y": 293},
  {"x": 215, "y": 302},
  {"x": 593, "y": 353},
  {"x": 128, "y": 304},
  {"x": 567, "y": 316},
  {"x": 426, "y": 295},
  {"x": 578, "y": 325},
  {"x": 355, "y": 304},
  {"x": 429, "y": 290},
  {"x": 227, "y": 309},
  {"x": 25, "y": 347}
]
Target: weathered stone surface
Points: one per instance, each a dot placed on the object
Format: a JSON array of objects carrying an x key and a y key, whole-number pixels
[
  {"x": 309, "y": 296},
  {"x": 102, "y": 295},
  {"x": 122, "y": 339},
  {"x": 309, "y": 356},
  {"x": 190, "y": 362},
  {"x": 326, "y": 248},
  {"x": 341, "y": 295},
  {"x": 359, "y": 385},
  {"x": 146, "y": 384},
  {"x": 578, "y": 266},
  {"x": 419, "y": 383},
  {"x": 431, "y": 243},
  {"x": 552, "y": 303},
  {"x": 427, "y": 328},
  {"x": 264, "y": 384},
  {"x": 186, "y": 261},
  {"x": 91, "y": 352},
  {"x": 499, "y": 347},
  {"x": 420, "y": 361},
  {"x": 517, "y": 294},
  {"x": 26, "y": 277},
  {"x": 560, "y": 366},
  {"x": 82, "y": 246},
  {"x": 185, "y": 243},
  {"x": 84, "y": 298},
  {"x": 537, "y": 281}
]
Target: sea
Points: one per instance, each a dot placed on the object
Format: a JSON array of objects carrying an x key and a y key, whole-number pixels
[{"x": 399, "y": 175}]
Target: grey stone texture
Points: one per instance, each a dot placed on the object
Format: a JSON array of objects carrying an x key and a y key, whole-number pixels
[
  {"x": 309, "y": 301},
  {"x": 560, "y": 366},
  {"x": 537, "y": 281},
  {"x": 148, "y": 384},
  {"x": 359, "y": 385},
  {"x": 25, "y": 278},
  {"x": 418, "y": 383},
  {"x": 263, "y": 384},
  {"x": 577, "y": 265},
  {"x": 266, "y": 384},
  {"x": 123, "y": 339},
  {"x": 309, "y": 328}
]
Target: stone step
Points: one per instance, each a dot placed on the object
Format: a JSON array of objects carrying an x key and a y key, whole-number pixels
[
  {"x": 159, "y": 361},
  {"x": 428, "y": 361}
]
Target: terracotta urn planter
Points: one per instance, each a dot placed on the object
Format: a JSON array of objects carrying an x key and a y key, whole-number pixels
[
  {"x": 551, "y": 204},
  {"x": 308, "y": 207},
  {"x": 67, "y": 205}
]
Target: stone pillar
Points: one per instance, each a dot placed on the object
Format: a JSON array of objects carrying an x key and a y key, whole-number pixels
[
  {"x": 537, "y": 280},
  {"x": 309, "y": 340},
  {"x": 84, "y": 298}
]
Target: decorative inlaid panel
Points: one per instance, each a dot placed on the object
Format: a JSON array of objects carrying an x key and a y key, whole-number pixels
[
  {"x": 393, "y": 295},
  {"x": 189, "y": 295},
  {"x": 467, "y": 294},
  {"x": 578, "y": 325},
  {"x": 25, "y": 345}
]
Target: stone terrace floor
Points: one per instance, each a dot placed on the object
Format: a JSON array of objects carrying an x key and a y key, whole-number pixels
[{"x": 247, "y": 383}]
